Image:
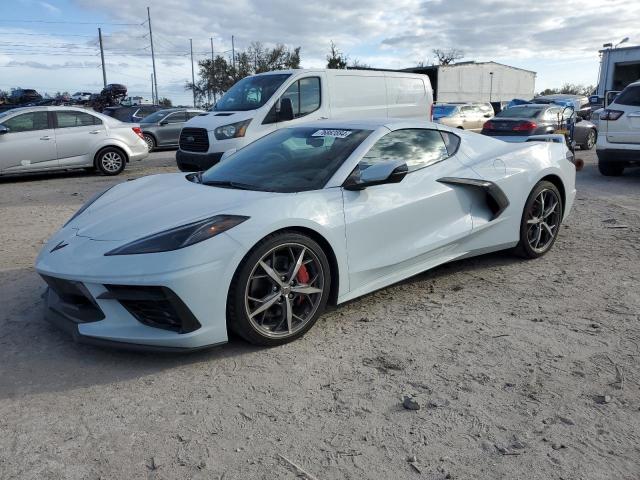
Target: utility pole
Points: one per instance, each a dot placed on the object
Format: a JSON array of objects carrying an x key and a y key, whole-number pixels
[
  {"x": 233, "y": 53},
  {"x": 153, "y": 57},
  {"x": 193, "y": 75},
  {"x": 491, "y": 87},
  {"x": 153, "y": 95},
  {"x": 104, "y": 71},
  {"x": 213, "y": 71}
]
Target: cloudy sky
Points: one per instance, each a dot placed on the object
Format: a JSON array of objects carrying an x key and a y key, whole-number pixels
[{"x": 51, "y": 45}]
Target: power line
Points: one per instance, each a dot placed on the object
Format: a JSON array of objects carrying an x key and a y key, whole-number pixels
[{"x": 67, "y": 22}]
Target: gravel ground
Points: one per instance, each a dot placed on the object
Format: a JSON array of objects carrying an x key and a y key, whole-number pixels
[{"x": 520, "y": 369}]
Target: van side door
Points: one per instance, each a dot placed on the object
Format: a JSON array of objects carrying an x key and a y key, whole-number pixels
[{"x": 308, "y": 98}]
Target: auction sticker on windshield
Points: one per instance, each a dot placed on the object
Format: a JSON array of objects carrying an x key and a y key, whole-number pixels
[{"x": 332, "y": 133}]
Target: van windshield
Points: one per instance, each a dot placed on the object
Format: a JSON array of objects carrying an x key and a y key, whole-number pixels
[{"x": 250, "y": 93}]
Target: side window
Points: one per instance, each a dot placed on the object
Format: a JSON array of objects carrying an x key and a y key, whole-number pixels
[
  {"x": 466, "y": 109},
  {"x": 418, "y": 148},
  {"x": 629, "y": 96},
  {"x": 190, "y": 115},
  {"x": 75, "y": 119},
  {"x": 177, "y": 117},
  {"x": 304, "y": 95},
  {"x": 27, "y": 122}
]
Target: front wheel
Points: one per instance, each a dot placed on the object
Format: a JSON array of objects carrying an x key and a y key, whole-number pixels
[
  {"x": 110, "y": 161},
  {"x": 279, "y": 290},
  {"x": 541, "y": 220}
]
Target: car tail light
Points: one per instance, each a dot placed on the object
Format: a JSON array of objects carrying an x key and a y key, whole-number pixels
[
  {"x": 489, "y": 125},
  {"x": 138, "y": 131},
  {"x": 524, "y": 126},
  {"x": 610, "y": 114}
]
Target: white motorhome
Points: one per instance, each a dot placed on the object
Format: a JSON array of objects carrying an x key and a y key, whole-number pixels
[{"x": 260, "y": 104}]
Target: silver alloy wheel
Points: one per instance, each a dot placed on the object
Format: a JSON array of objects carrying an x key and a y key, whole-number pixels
[
  {"x": 150, "y": 142},
  {"x": 591, "y": 139},
  {"x": 543, "y": 220},
  {"x": 284, "y": 290},
  {"x": 111, "y": 161}
]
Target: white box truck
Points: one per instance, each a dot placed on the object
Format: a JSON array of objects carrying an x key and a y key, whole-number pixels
[{"x": 260, "y": 104}]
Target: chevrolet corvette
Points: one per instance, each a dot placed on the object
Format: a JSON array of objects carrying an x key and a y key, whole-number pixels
[{"x": 312, "y": 215}]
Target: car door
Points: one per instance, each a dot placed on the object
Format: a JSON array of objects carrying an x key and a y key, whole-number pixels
[
  {"x": 626, "y": 109},
  {"x": 168, "y": 131},
  {"x": 393, "y": 228},
  {"x": 29, "y": 143},
  {"x": 77, "y": 136},
  {"x": 468, "y": 118}
]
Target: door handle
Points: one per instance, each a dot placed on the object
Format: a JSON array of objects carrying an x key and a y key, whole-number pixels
[
  {"x": 94, "y": 132},
  {"x": 46, "y": 137},
  {"x": 634, "y": 115}
]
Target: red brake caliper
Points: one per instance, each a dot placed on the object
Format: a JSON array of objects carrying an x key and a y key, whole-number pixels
[{"x": 302, "y": 277}]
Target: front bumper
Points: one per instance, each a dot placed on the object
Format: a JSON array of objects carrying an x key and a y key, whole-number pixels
[
  {"x": 199, "y": 276},
  {"x": 196, "y": 162}
]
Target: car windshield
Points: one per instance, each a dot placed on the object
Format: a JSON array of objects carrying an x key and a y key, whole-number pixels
[
  {"x": 250, "y": 93},
  {"x": 520, "y": 112},
  {"x": 154, "y": 117},
  {"x": 444, "y": 110},
  {"x": 288, "y": 160}
]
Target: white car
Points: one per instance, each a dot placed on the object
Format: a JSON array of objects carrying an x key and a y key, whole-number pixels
[
  {"x": 314, "y": 214},
  {"x": 618, "y": 144},
  {"x": 81, "y": 96},
  {"x": 36, "y": 139}
]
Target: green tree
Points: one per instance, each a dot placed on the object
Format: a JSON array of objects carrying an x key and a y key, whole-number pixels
[
  {"x": 569, "y": 89},
  {"x": 336, "y": 59},
  {"x": 218, "y": 75}
]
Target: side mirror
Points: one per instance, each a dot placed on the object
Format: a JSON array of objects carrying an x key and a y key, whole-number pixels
[
  {"x": 487, "y": 115},
  {"x": 378, "y": 174},
  {"x": 578, "y": 119},
  {"x": 163, "y": 123},
  {"x": 285, "y": 112},
  {"x": 3, "y": 130}
]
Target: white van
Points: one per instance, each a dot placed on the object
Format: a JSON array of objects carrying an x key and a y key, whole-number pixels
[{"x": 260, "y": 104}]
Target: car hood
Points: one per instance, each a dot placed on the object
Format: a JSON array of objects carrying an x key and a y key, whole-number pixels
[
  {"x": 148, "y": 205},
  {"x": 213, "y": 120}
]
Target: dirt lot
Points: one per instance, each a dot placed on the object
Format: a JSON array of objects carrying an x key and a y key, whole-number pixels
[{"x": 506, "y": 359}]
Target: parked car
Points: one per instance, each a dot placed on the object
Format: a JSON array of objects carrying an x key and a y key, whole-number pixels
[
  {"x": 23, "y": 96},
  {"x": 131, "y": 114},
  {"x": 465, "y": 116},
  {"x": 81, "y": 97},
  {"x": 619, "y": 140},
  {"x": 303, "y": 217},
  {"x": 34, "y": 139},
  {"x": 499, "y": 106},
  {"x": 259, "y": 104},
  {"x": 516, "y": 124},
  {"x": 162, "y": 128},
  {"x": 580, "y": 103}
]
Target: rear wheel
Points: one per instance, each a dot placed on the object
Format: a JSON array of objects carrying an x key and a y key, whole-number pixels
[
  {"x": 279, "y": 290},
  {"x": 590, "y": 142},
  {"x": 541, "y": 220},
  {"x": 110, "y": 161},
  {"x": 609, "y": 169},
  {"x": 151, "y": 142}
]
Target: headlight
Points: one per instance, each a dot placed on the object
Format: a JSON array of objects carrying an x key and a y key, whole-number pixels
[
  {"x": 87, "y": 205},
  {"x": 233, "y": 130},
  {"x": 180, "y": 237}
]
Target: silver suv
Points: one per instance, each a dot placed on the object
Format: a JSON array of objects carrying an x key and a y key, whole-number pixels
[
  {"x": 465, "y": 116},
  {"x": 35, "y": 139},
  {"x": 162, "y": 128}
]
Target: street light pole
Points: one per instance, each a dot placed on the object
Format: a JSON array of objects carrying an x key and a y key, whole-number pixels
[
  {"x": 153, "y": 57},
  {"x": 193, "y": 75}
]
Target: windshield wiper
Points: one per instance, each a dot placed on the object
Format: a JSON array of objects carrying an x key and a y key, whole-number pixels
[{"x": 236, "y": 185}]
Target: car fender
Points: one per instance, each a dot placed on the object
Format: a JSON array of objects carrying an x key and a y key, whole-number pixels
[{"x": 112, "y": 142}]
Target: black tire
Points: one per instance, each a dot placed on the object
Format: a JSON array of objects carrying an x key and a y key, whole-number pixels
[
  {"x": 590, "y": 142},
  {"x": 239, "y": 293},
  {"x": 531, "y": 213},
  {"x": 110, "y": 161},
  {"x": 609, "y": 169},
  {"x": 151, "y": 141}
]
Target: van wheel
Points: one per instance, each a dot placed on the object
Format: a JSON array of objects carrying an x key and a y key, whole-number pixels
[{"x": 110, "y": 161}]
